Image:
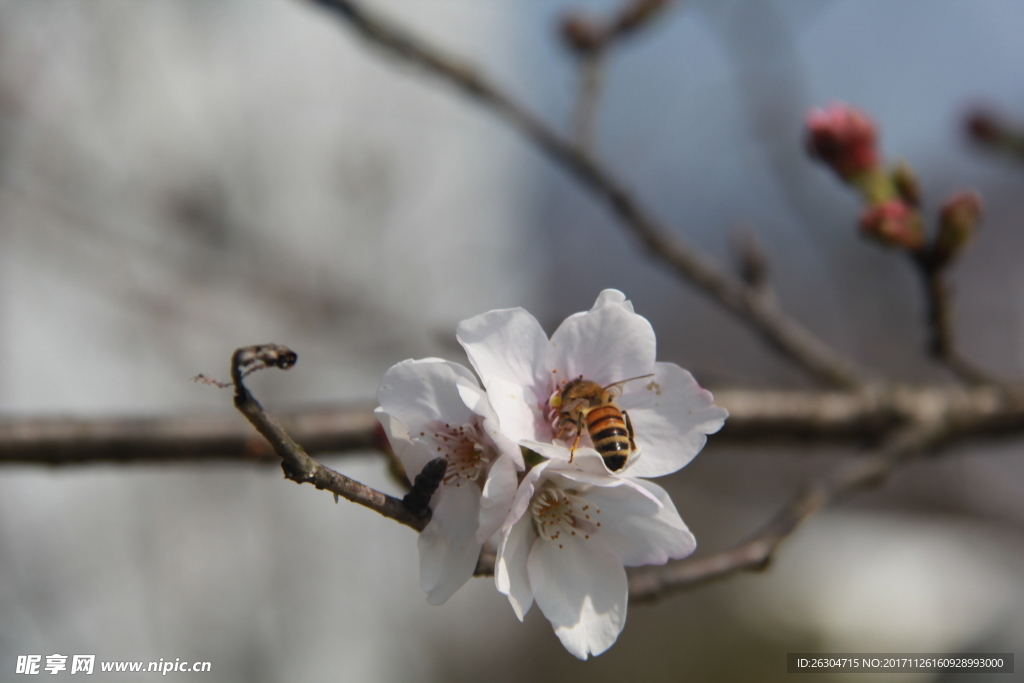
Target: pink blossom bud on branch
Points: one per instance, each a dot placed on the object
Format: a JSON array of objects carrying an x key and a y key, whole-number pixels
[
  {"x": 893, "y": 224},
  {"x": 844, "y": 139}
]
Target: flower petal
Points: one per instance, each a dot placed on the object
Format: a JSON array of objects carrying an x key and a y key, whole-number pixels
[
  {"x": 496, "y": 502},
  {"x": 638, "y": 532},
  {"x": 393, "y": 427},
  {"x": 412, "y": 455},
  {"x": 607, "y": 344},
  {"x": 588, "y": 470},
  {"x": 612, "y": 297},
  {"x": 525, "y": 493},
  {"x": 517, "y": 410},
  {"x": 581, "y": 588},
  {"x": 552, "y": 451},
  {"x": 506, "y": 344},
  {"x": 421, "y": 391},
  {"x": 671, "y": 417},
  {"x": 448, "y": 546},
  {"x": 475, "y": 399},
  {"x": 510, "y": 568}
]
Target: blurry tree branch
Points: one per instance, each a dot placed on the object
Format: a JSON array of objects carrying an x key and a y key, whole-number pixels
[
  {"x": 942, "y": 340},
  {"x": 184, "y": 438},
  {"x": 591, "y": 81},
  {"x": 590, "y": 40},
  {"x": 755, "y": 416},
  {"x": 755, "y": 554},
  {"x": 783, "y": 332},
  {"x": 993, "y": 132}
]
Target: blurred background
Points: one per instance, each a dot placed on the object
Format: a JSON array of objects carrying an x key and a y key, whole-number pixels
[{"x": 182, "y": 177}]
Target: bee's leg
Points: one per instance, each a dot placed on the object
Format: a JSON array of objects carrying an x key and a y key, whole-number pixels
[
  {"x": 576, "y": 441},
  {"x": 565, "y": 422},
  {"x": 629, "y": 430}
]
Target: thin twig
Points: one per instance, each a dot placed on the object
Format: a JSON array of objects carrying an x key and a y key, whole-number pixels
[
  {"x": 941, "y": 338},
  {"x": 996, "y": 134},
  {"x": 591, "y": 40},
  {"x": 780, "y": 330},
  {"x": 591, "y": 79},
  {"x": 755, "y": 554},
  {"x": 296, "y": 463}
]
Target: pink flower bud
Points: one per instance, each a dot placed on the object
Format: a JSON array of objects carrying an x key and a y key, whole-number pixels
[
  {"x": 843, "y": 138},
  {"x": 958, "y": 220},
  {"x": 894, "y": 224}
]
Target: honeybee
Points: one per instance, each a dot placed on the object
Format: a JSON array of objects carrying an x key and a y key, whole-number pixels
[{"x": 582, "y": 402}]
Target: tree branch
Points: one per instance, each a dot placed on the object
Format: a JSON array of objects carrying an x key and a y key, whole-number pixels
[
  {"x": 936, "y": 421},
  {"x": 783, "y": 332},
  {"x": 760, "y": 416},
  {"x": 591, "y": 80},
  {"x": 590, "y": 41},
  {"x": 185, "y": 438},
  {"x": 756, "y": 554},
  {"x": 296, "y": 463},
  {"x": 941, "y": 338},
  {"x": 993, "y": 132}
]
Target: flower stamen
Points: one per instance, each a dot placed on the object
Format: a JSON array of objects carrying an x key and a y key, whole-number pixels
[
  {"x": 555, "y": 511},
  {"x": 462, "y": 447}
]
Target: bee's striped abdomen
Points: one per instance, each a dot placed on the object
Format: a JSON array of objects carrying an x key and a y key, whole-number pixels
[{"x": 608, "y": 432}]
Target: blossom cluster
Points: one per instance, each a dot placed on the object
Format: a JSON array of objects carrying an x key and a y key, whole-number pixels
[{"x": 567, "y": 518}]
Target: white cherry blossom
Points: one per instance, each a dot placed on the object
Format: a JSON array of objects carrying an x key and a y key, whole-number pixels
[
  {"x": 522, "y": 371},
  {"x": 572, "y": 529},
  {"x": 432, "y": 408}
]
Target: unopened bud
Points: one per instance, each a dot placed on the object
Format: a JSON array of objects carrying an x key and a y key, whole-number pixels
[
  {"x": 905, "y": 181},
  {"x": 958, "y": 220},
  {"x": 996, "y": 133},
  {"x": 844, "y": 139},
  {"x": 581, "y": 34},
  {"x": 893, "y": 224},
  {"x": 984, "y": 127}
]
